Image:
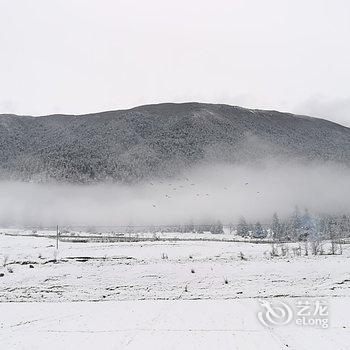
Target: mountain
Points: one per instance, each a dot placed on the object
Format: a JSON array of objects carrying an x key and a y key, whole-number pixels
[{"x": 160, "y": 140}]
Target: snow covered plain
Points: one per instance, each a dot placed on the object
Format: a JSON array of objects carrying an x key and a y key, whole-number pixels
[
  {"x": 183, "y": 295},
  {"x": 162, "y": 324}
]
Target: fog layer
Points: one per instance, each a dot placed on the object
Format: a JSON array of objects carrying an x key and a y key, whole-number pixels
[{"x": 209, "y": 193}]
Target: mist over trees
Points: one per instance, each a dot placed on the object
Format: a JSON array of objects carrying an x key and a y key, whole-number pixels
[
  {"x": 298, "y": 227},
  {"x": 201, "y": 196}
]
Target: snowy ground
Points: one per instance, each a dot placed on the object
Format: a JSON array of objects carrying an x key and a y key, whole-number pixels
[
  {"x": 110, "y": 233},
  {"x": 164, "y": 295},
  {"x": 163, "y": 270},
  {"x": 163, "y": 324}
]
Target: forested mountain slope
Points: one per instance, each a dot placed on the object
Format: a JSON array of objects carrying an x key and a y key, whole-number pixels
[{"x": 160, "y": 140}]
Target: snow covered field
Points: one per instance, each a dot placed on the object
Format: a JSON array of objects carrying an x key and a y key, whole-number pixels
[
  {"x": 163, "y": 324},
  {"x": 163, "y": 270},
  {"x": 181, "y": 295}
]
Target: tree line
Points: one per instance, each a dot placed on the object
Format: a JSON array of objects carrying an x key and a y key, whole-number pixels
[{"x": 297, "y": 227}]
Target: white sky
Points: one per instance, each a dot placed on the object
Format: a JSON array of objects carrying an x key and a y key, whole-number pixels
[{"x": 80, "y": 56}]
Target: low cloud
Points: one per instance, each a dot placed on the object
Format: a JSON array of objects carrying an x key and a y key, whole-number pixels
[{"x": 208, "y": 193}]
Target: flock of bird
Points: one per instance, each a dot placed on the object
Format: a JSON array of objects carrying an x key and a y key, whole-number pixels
[{"x": 168, "y": 196}]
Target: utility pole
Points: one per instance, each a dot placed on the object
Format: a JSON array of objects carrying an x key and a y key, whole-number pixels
[{"x": 57, "y": 237}]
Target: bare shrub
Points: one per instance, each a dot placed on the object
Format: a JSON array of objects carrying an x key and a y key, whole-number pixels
[
  {"x": 336, "y": 247},
  {"x": 340, "y": 248},
  {"x": 155, "y": 237},
  {"x": 273, "y": 252},
  {"x": 316, "y": 246},
  {"x": 322, "y": 250},
  {"x": 296, "y": 251},
  {"x": 241, "y": 256},
  {"x": 284, "y": 250}
]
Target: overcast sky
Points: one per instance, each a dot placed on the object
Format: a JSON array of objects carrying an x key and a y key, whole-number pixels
[{"x": 80, "y": 56}]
